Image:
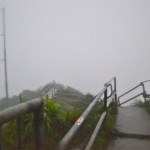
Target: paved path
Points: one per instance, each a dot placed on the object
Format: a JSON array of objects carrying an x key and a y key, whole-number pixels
[
  {"x": 131, "y": 120},
  {"x": 129, "y": 144}
]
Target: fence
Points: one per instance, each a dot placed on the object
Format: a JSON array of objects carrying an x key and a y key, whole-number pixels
[
  {"x": 34, "y": 106},
  {"x": 113, "y": 95}
]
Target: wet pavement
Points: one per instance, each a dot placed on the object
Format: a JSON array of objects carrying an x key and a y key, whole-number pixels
[
  {"x": 131, "y": 120},
  {"x": 129, "y": 144}
]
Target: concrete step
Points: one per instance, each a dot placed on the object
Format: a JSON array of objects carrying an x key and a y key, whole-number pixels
[
  {"x": 128, "y": 144},
  {"x": 131, "y": 121}
]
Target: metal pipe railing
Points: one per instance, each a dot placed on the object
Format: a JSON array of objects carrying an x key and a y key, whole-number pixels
[
  {"x": 129, "y": 91},
  {"x": 145, "y": 95},
  {"x": 94, "y": 135},
  {"x": 17, "y": 111},
  {"x": 98, "y": 126},
  {"x": 67, "y": 138},
  {"x": 146, "y": 81},
  {"x": 19, "y": 133},
  {"x": 131, "y": 99}
]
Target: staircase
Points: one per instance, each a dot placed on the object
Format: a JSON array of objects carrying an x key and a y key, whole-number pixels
[
  {"x": 132, "y": 124},
  {"x": 133, "y": 127}
]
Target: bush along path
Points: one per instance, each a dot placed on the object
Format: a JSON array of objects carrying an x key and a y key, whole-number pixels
[
  {"x": 132, "y": 129},
  {"x": 56, "y": 123}
]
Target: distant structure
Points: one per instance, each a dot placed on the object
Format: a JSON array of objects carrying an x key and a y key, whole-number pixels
[
  {"x": 50, "y": 90},
  {"x": 5, "y": 56}
]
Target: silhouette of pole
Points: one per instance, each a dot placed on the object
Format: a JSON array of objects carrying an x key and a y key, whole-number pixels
[{"x": 5, "y": 58}]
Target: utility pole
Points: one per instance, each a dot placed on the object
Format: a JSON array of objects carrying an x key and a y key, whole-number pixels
[{"x": 5, "y": 57}]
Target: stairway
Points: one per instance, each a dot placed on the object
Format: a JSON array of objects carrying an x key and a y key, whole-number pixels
[{"x": 133, "y": 126}]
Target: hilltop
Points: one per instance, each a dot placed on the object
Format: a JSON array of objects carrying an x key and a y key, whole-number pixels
[{"x": 69, "y": 96}]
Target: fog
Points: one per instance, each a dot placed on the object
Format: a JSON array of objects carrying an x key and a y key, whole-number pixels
[{"x": 80, "y": 43}]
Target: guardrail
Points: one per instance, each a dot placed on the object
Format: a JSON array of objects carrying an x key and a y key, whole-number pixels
[
  {"x": 113, "y": 95},
  {"x": 34, "y": 106},
  {"x": 143, "y": 93}
]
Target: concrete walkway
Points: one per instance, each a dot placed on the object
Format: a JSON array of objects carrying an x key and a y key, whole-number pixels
[{"x": 131, "y": 120}]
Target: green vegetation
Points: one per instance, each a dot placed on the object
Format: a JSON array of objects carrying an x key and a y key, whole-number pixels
[
  {"x": 82, "y": 137},
  {"x": 59, "y": 116},
  {"x": 56, "y": 123},
  {"x": 108, "y": 130},
  {"x": 70, "y": 97}
]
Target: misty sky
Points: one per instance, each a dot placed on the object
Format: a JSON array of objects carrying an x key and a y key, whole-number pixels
[{"x": 81, "y": 43}]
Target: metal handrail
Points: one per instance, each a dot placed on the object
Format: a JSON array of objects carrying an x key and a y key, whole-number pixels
[
  {"x": 143, "y": 93},
  {"x": 146, "y": 81},
  {"x": 70, "y": 134},
  {"x": 34, "y": 106}
]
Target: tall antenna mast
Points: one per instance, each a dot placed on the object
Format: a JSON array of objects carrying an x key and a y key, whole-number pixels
[{"x": 5, "y": 57}]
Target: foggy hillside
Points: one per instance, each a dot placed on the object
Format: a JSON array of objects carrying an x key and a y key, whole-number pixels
[{"x": 56, "y": 92}]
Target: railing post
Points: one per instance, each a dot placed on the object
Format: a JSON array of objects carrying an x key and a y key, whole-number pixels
[
  {"x": 105, "y": 99},
  {"x": 144, "y": 91},
  {"x": 38, "y": 129},
  {"x": 144, "y": 95},
  {"x": 19, "y": 130},
  {"x": 115, "y": 89}
]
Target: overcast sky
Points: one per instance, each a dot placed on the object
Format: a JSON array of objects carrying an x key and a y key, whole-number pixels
[{"x": 81, "y": 43}]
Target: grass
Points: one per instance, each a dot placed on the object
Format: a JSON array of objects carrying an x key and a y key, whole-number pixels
[
  {"x": 108, "y": 130},
  {"x": 82, "y": 137},
  {"x": 56, "y": 123}
]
